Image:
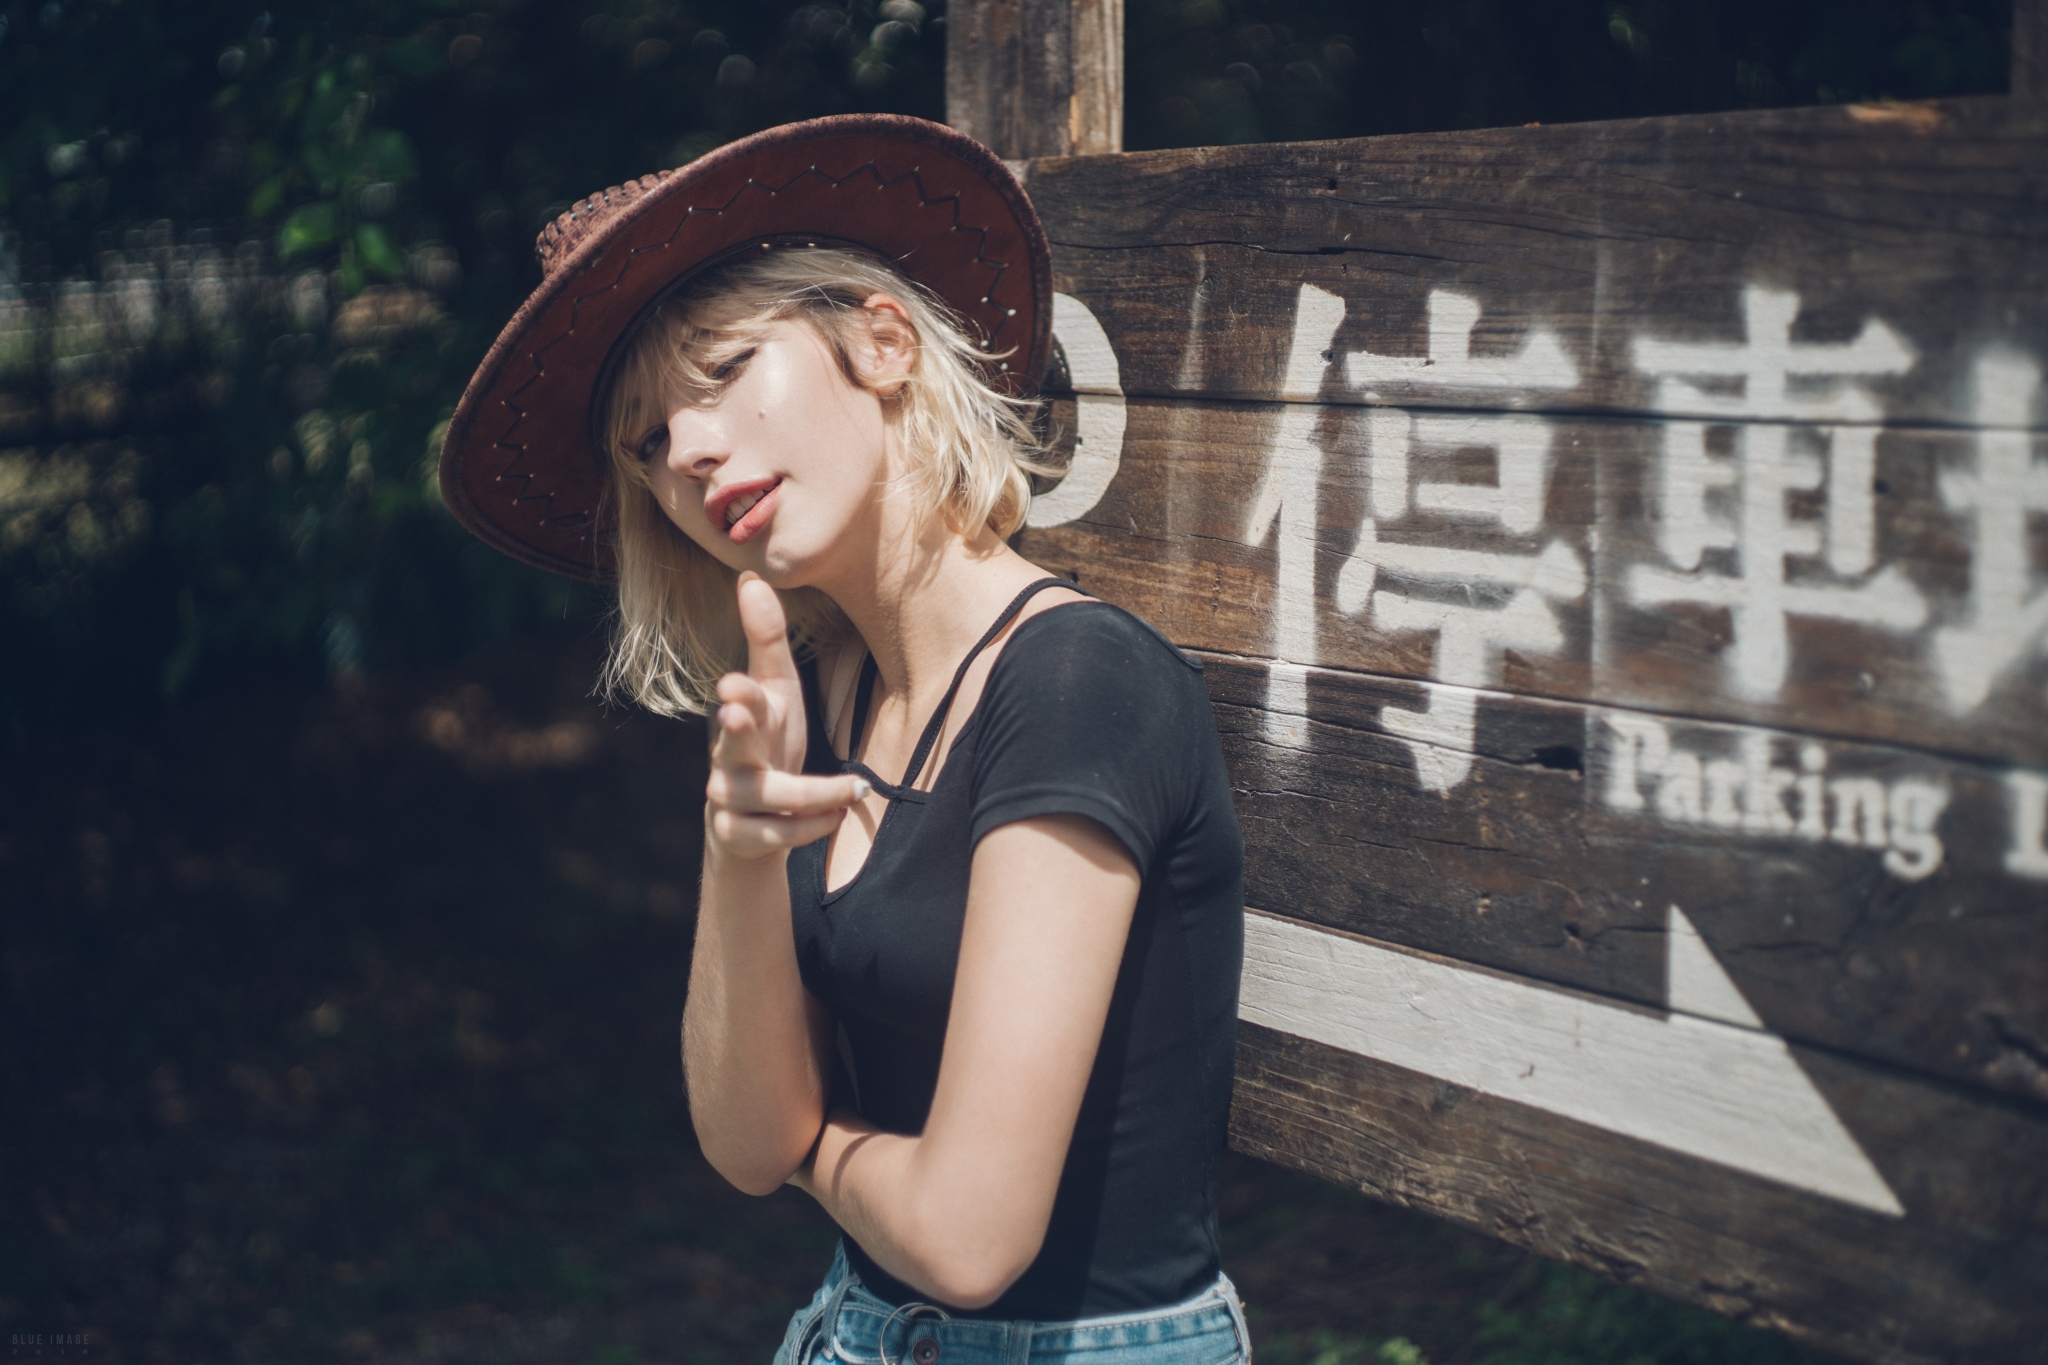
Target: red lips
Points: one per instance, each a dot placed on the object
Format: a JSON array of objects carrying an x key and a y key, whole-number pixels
[{"x": 748, "y": 525}]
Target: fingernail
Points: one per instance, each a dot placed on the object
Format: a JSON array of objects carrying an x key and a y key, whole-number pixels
[{"x": 861, "y": 789}]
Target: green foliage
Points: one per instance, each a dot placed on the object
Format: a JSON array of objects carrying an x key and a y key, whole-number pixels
[
  {"x": 309, "y": 229},
  {"x": 247, "y": 267},
  {"x": 373, "y": 249},
  {"x": 317, "y": 113}
]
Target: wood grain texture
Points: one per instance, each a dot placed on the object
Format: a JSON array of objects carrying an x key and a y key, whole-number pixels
[
  {"x": 1530, "y": 868},
  {"x": 1173, "y": 539},
  {"x": 1528, "y": 865},
  {"x": 1964, "y": 1276},
  {"x": 1932, "y": 219},
  {"x": 1037, "y": 78}
]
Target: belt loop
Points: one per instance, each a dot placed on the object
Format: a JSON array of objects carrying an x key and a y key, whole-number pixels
[
  {"x": 826, "y": 1323},
  {"x": 1228, "y": 1291},
  {"x": 1017, "y": 1343}
]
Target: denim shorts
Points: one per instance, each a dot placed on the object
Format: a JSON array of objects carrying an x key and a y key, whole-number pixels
[{"x": 844, "y": 1323}]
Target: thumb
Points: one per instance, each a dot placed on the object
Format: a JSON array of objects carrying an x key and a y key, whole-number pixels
[{"x": 767, "y": 631}]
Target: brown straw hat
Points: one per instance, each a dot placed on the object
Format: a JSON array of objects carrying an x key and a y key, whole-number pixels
[{"x": 521, "y": 466}]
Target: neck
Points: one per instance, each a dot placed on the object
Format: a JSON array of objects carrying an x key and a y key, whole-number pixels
[{"x": 925, "y": 599}]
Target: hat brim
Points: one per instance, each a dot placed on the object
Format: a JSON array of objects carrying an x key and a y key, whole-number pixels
[{"x": 519, "y": 466}]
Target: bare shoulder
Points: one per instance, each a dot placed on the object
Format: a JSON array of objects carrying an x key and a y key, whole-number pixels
[
  {"x": 1050, "y": 598},
  {"x": 1091, "y": 624}
]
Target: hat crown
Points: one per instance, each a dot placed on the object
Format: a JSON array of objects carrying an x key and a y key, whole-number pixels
[
  {"x": 521, "y": 465},
  {"x": 558, "y": 241}
]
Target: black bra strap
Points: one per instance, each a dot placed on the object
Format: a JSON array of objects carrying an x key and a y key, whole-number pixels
[
  {"x": 937, "y": 724},
  {"x": 818, "y": 755}
]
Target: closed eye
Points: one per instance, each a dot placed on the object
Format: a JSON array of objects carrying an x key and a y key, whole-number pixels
[
  {"x": 651, "y": 444},
  {"x": 729, "y": 369}
]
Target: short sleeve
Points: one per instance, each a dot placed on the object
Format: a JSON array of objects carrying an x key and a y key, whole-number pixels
[{"x": 1089, "y": 711}]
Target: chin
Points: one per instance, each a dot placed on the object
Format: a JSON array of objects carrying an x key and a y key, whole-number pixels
[
  {"x": 787, "y": 561},
  {"x": 784, "y": 570}
]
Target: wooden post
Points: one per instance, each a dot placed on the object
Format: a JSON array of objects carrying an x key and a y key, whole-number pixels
[
  {"x": 1031, "y": 78},
  {"x": 2030, "y": 49}
]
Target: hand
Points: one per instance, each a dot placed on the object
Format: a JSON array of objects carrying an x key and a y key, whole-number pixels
[{"x": 759, "y": 801}]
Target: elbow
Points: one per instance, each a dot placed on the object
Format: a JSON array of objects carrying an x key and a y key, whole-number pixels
[
  {"x": 756, "y": 1168},
  {"x": 752, "y": 1175},
  {"x": 756, "y": 1140},
  {"x": 973, "y": 1287},
  {"x": 973, "y": 1275},
  {"x": 751, "y": 1180}
]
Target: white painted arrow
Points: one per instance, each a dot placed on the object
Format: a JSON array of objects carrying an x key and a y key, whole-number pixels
[{"x": 1704, "y": 1079}]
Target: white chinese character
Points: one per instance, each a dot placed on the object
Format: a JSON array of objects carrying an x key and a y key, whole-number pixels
[
  {"x": 1477, "y": 602},
  {"x": 1754, "y": 388},
  {"x": 1540, "y": 364},
  {"x": 1285, "y": 507},
  {"x": 2006, "y": 620}
]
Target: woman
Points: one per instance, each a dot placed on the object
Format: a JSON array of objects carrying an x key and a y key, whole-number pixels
[{"x": 971, "y": 915}]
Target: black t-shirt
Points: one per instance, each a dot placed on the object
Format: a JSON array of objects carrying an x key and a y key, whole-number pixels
[{"x": 1087, "y": 711}]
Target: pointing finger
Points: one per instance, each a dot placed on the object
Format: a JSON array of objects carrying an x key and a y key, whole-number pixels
[
  {"x": 757, "y": 791},
  {"x": 767, "y": 630}
]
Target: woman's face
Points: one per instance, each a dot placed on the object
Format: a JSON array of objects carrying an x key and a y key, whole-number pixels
[{"x": 782, "y": 471}]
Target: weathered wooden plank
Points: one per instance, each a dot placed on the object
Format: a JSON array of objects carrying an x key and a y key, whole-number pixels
[
  {"x": 1900, "y": 597},
  {"x": 1032, "y": 78},
  {"x": 1962, "y": 1275},
  {"x": 1922, "y": 229},
  {"x": 1865, "y": 904}
]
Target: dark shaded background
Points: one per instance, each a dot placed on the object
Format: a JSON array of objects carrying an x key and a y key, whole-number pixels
[{"x": 343, "y": 936}]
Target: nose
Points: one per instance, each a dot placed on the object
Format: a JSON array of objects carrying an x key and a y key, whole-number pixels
[{"x": 695, "y": 448}]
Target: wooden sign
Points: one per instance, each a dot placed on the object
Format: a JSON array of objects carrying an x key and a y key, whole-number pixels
[{"x": 1620, "y": 554}]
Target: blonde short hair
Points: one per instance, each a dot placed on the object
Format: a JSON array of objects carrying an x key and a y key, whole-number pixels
[{"x": 970, "y": 451}]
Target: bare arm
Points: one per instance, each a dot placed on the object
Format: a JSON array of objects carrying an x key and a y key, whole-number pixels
[
  {"x": 755, "y": 1042},
  {"x": 961, "y": 1211}
]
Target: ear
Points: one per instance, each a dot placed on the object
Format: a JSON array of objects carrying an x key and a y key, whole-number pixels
[{"x": 891, "y": 344}]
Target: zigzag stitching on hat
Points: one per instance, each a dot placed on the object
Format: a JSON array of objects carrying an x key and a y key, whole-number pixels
[
  {"x": 924, "y": 201},
  {"x": 914, "y": 176},
  {"x": 525, "y": 481},
  {"x": 524, "y": 495}
]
